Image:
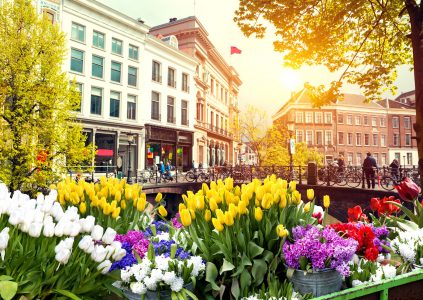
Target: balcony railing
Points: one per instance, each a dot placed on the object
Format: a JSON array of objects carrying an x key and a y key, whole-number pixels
[{"x": 214, "y": 129}]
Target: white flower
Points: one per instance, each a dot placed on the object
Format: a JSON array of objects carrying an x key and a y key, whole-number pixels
[
  {"x": 177, "y": 284},
  {"x": 24, "y": 227},
  {"x": 88, "y": 224},
  {"x": 69, "y": 242},
  {"x": 104, "y": 267},
  {"x": 356, "y": 282},
  {"x": 99, "y": 253},
  {"x": 169, "y": 277},
  {"x": 198, "y": 265},
  {"x": 67, "y": 227},
  {"x": 119, "y": 254},
  {"x": 162, "y": 262},
  {"x": 57, "y": 211},
  {"x": 109, "y": 251},
  {"x": 139, "y": 271},
  {"x": 164, "y": 236},
  {"x": 125, "y": 274},
  {"x": 35, "y": 229},
  {"x": 389, "y": 271},
  {"x": 85, "y": 243},
  {"x": 138, "y": 288},
  {"x": 48, "y": 229},
  {"x": 63, "y": 255},
  {"x": 4, "y": 238},
  {"x": 109, "y": 236},
  {"x": 97, "y": 232},
  {"x": 407, "y": 252},
  {"x": 48, "y": 204},
  {"x": 72, "y": 214},
  {"x": 150, "y": 283},
  {"x": 156, "y": 275},
  {"x": 58, "y": 230},
  {"x": 75, "y": 229}
]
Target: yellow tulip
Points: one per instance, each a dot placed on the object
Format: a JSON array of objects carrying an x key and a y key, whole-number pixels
[
  {"x": 276, "y": 197},
  {"x": 192, "y": 212},
  {"x": 307, "y": 207},
  {"x": 118, "y": 196},
  {"x": 213, "y": 204},
  {"x": 52, "y": 186},
  {"x": 242, "y": 208},
  {"x": 266, "y": 202},
  {"x": 259, "y": 193},
  {"x": 284, "y": 184},
  {"x": 229, "y": 220},
  {"x": 123, "y": 204},
  {"x": 114, "y": 204},
  {"x": 258, "y": 214},
  {"x": 116, "y": 213},
  {"x": 205, "y": 188},
  {"x": 185, "y": 216},
  {"x": 207, "y": 215},
  {"x": 281, "y": 231},
  {"x": 282, "y": 202},
  {"x": 296, "y": 197},
  {"x": 162, "y": 211},
  {"x": 293, "y": 185},
  {"x": 200, "y": 202},
  {"x": 213, "y": 185},
  {"x": 128, "y": 193},
  {"x": 217, "y": 225},
  {"x": 233, "y": 210},
  {"x": 181, "y": 207},
  {"x": 237, "y": 191},
  {"x": 310, "y": 194},
  {"x": 326, "y": 201},
  {"x": 82, "y": 207},
  {"x": 220, "y": 215},
  {"x": 141, "y": 204},
  {"x": 229, "y": 183},
  {"x": 159, "y": 197}
]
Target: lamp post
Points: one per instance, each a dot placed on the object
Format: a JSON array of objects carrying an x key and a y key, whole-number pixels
[
  {"x": 130, "y": 137},
  {"x": 291, "y": 148},
  {"x": 239, "y": 153}
]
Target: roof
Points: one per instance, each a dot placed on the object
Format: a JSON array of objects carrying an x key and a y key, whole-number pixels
[
  {"x": 406, "y": 94},
  {"x": 389, "y": 103}
]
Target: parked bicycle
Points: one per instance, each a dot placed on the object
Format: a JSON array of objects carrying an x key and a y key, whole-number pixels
[{"x": 197, "y": 175}]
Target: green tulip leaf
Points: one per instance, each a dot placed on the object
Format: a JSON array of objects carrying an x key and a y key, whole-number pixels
[
  {"x": 5, "y": 278},
  {"x": 254, "y": 250},
  {"x": 268, "y": 256},
  {"x": 258, "y": 271},
  {"x": 245, "y": 280},
  {"x": 211, "y": 275},
  {"x": 235, "y": 288},
  {"x": 245, "y": 261},
  {"x": 8, "y": 289},
  {"x": 68, "y": 294},
  {"x": 227, "y": 266}
]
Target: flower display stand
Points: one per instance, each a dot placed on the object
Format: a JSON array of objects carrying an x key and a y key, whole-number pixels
[{"x": 403, "y": 287}]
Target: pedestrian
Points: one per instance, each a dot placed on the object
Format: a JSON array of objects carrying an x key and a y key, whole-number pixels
[
  {"x": 341, "y": 164},
  {"x": 394, "y": 166},
  {"x": 369, "y": 169}
]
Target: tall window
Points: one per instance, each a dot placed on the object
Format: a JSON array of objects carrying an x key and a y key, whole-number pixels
[
  {"x": 366, "y": 139},
  {"x": 212, "y": 86},
  {"x": 396, "y": 139},
  {"x": 77, "y": 60},
  {"x": 408, "y": 139},
  {"x": 299, "y": 136},
  {"x": 409, "y": 159},
  {"x": 318, "y": 118},
  {"x": 156, "y": 72},
  {"x": 80, "y": 89},
  {"x": 358, "y": 139},
  {"x": 131, "y": 107},
  {"x": 98, "y": 39},
  {"x": 376, "y": 157},
  {"x": 349, "y": 119},
  {"x": 383, "y": 140},
  {"x": 185, "y": 86},
  {"x": 116, "y": 71},
  {"x": 359, "y": 158},
  {"x": 96, "y": 100},
  {"x": 114, "y": 104},
  {"x": 155, "y": 106},
  {"x": 340, "y": 119},
  {"x": 299, "y": 117},
  {"x": 309, "y": 137},
  {"x": 395, "y": 122},
  {"x": 319, "y": 138},
  {"x": 374, "y": 121},
  {"x": 133, "y": 52},
  {"x": 78, "y": 32},
  {"x": 407, "y": 122},
  {"x": 382, "y": 122},
  {"x": 170, "y": 109},
  {"x": 309, "y": 117},
  {"x": 383, "y": 159},
  {"x": 357, "y": 120},
  {"x": 132, "y": 76},
  {"x": 171, "y": 77},
  {"x": 340, "y": 138},
  {"x": 366, "y": 120},
  {"x": 350, "y": 138},
  {"x": 375, "y": 139},
  {"x": 328, "y": 137},
  {"x": 97, "y": 66},
  {"x": 184, "y": 112},
  {"x": 116, "y": 46},
  {"x": 328, "y": 117}
]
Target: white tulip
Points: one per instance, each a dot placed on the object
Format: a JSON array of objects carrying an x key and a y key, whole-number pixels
[
  {"x": 48, "y": 204},
  {"x": 58, "y": 230},
  {"x": 88, "y": 224},
  {"x": 24, "y": 227},
  {"x": 38, "y": 216},
  {"x": 99, "y": 253},
  {"x": 31, "y": 204},
  {"x": 85, "y": 243},
  {"x": 67, "y": 227},
  {"x": 49, "y": 229},
  {"x": 97, "y": 232},
  {"x": 57, "y": 211},
  {"x": 72, "y": 213},
  {"x": 63, "y": 255},
  {"x": 109, "y": 251},
  {"x": 40, "y": 199},
  {"x": 91, "y": 248},
  {"x": 104, "y": 267},
  {"x": 69, "y": 242},
  {"x": 119, "y": 254},
  {"x": 109, "y": 236},
  {"x": 35, "y": 229},
  {"x": 48, "y": 219},
  {"x": 76, "y": 229},
  {"x": 53, "y": 195},
  {"x": 16, "y": 217},
  {"x": 4, "y": 238}
]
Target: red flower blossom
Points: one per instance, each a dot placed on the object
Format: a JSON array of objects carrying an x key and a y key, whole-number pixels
[
  {"x": 383, "y": 207},
  {"x": 371, "y": 253},
  {"x": 374, "y": 204},
  {"x": 356, "y": 214},
  {"x": 408, "y": 190}
]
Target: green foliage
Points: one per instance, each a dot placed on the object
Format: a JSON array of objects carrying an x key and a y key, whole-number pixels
[{"x": 37, "y": 122}]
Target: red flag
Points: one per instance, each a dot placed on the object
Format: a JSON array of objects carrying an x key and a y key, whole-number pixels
[{"x": 235, "y": 50}]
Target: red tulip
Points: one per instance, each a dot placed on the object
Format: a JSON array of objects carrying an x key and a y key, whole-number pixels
[
  {"x": 371, "y": 253},
  {"x": 356, "y": 214},
  {"x": 374, "y": 204},
  {"x": 408, "y": 190}
]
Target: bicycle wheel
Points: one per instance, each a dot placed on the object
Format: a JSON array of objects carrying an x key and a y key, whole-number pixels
[
  {"x": 341, "y": 180},
  {"x": 152, "y": 178},
  {"x": 387, "y": 183},
  {"x": 190, "y": 176},
  {"x": 203, "y": 177},
  {"x": 353, "y": 179}
]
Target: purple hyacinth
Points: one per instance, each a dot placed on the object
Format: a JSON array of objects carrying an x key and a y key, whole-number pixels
[
  {"x": 175, "y": 221},
  {"x": 132, "y": 237}
]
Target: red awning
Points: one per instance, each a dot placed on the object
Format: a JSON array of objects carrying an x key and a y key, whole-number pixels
[{"x": 104, "y": 152}]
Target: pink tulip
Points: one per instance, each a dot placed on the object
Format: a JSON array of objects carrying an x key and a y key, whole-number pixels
[{"x": 408, "y": 190}]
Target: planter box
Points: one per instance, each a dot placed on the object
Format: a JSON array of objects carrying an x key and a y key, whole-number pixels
[{"x": 403, "y": 287}]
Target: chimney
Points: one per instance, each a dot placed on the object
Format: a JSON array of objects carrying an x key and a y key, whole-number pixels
[
  {"x": 172, "y": 20},
  {"x": 140, "y": 20}
]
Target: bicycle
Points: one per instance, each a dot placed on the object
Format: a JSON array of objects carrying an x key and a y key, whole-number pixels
[{"x": 196, "y": 175}]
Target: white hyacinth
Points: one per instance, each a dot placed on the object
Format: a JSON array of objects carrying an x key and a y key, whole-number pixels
[
  {"x": 125, "y": 274},
  {"x": 138, "y": 288},
  {"x": 169, "y": 277},
  {"x": 150, "y": 283},
  {"x": 177, "y": 284},
  {"x": 162, "y": 262},
  {"x": 198, "y": 265}
]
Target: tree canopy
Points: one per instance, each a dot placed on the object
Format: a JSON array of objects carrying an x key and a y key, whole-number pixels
[{"x": 37, "y": 118}]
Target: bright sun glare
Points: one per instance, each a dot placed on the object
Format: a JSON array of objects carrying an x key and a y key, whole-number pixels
[{"x": 290, "y": 79}]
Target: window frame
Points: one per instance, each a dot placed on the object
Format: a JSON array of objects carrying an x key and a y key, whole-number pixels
[
  {"x": 170, "y": 82},
  {"x": 114, "y": 100},
  {"x": 92, "y": 66},
  {"x": 113, "y": 71},
  {"x": 395, "y": 122},
  {"x": 185, "y": 121},
  {"x": 121, "y": 46},
  {"x": 171, "y": 119},
  {"x": 132, "y": 47},
  {"x": 132, "y": 75},
  {"x": 104, "y": 40},
  {"x": 134, "y": 97},
  {"x": 100, "y": 103},
  {"x": 159, "y": 73},
  {"x": 153, "y": 116},
  {"x": 83, "y": 61},
  {"x": 84, "y": 30}
]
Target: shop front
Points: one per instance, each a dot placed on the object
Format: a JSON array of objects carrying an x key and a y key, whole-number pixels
[{"x": 168, "y": 145}]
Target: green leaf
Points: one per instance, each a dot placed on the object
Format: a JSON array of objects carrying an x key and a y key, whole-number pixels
[
  {"x": 8, "y": 289},
  {"x": 303, "y": 263},
  {"x": 235, "y": 288},
  {"x": 268, "y": 256},
  {"x": 211, "y": 275},
  {"x": 245, "y": 261},
  {"x": 5, "y": 277},
  {"x": 259, "y": 270},
  {"x": 254, "y": 250},
  {"x": 226, "y": 266},
  {"x": 68, "y": 294},
  {"x": 245, "y": 281},
  {"x": 191, "y": 294}
]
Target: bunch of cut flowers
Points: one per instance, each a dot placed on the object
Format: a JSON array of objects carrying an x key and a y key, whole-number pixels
[
  {"x": 365, "y": 271},
  {"x": 409, "y": 246}
]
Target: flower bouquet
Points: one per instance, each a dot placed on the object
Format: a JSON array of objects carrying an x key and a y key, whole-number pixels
[
  {"x": 317, "y": 259},
  {"x": 365, "y": 271},
  {"x": 409, "y": 246}
]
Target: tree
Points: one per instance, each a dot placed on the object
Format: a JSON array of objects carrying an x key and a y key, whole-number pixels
[
  {"x": 38, "y": 131},
  {"x": 366, "y": 39}
]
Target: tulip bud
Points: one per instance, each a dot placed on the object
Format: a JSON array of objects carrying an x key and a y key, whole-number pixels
[
  {"x": 207, "y": 215},
  {"x": 258, "y": 214},
  {"x": 326, "y": 201},
  {"x": 104, "y": 267},
  {"x": 185, "y": 217},
  {"x": 97, "y": 232},
  {"x": 310, "y": 194},
  {"x": 220, "y": 215},
  {"x": 281, "y": 231},
  {"x": 229, "y": 220},
  {"x": 408, "y": 190},
  {"x": 217, "y": 225},
  {"x": 109, "y": 236},
  {"x": 4, "y": 238},
  {"x": 282, "y": 202},
  {"x": 293, "y": 185},
  {"x": 162, "y": 211},
  {"x": 213, "y": 204},
  {"x": 374, "y": 204},
  {"x": 83, "y": 207},
  {"x": 307, "y": 207},
  {"x": 159, "y": 197}
]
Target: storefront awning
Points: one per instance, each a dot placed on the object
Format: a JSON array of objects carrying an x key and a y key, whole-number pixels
[{"x": 104, "y": 152}]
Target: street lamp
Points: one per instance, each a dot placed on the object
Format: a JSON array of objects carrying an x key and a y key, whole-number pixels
[
  {"x": 130, "y": 137},
  {"x": 239, "y": 152},
  {"x": 291, "y": 147}
]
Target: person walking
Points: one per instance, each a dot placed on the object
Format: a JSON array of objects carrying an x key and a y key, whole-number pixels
[
  {"x": 341, "y": 164},
  {"x": 370, "y": 168},
  {"x": 394, "y": 166}
]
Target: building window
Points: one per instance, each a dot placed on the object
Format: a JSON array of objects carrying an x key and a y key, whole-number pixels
[
  {"x": 131, "y": 107},
  {"x": 396, "y": 139},
  {"x": 98, "y": 39},
  {"x": 357, "y": 120},
  {"x": 409, "y": 158},
  {"x": 78, "y": 32},
  {"x": 340, "y": 119},
  {"x": 350, "y": 158},
  {"x": 116, "y": 46},
  {"x": 328, "y": 118},
  {"x": 395, "y": 122},
  {"x": 299, "y": 136},
  {"x": 408, "y": 139},
  {"x": 358, "y": 139},
  {"x": 171, "y": 109},
  {"x": 80, "y": 89},
  {"x": 212, "y": 86},
  {"x": 374, "y": 121},
  {"x": 171, "y": 77},
  {"x": 350, "y": 139},
  {"x": 376, "y": 157},
  {"x": 383, "y": 159},
  {"x": 375, "y": 139},
  {"x": 319, "y": 138},
  {"x": 328, "y": 137},
  {"x": 340, "y": 138},
  {"x": 132, "y": 76},
  {"x": 383, "y": 140},
  {"x": 133, "y": 52},
  {"x": 185, "y": 86},
  {"x": 407, "y": 122},
  {"x": 309, "y": 117},
  {"x": 366, "y": 120},
  {"x": 318, "y": 118},
  {"x": 299, "y": 117},
  {"x": 359, "y": 158},
  {"x": 155, "y": 106},
  {"x": 349, "y": 119},
  {"x": 49, "y": 15},
  {"x": 77, "y": 60},
  {"x": 309, "y": 137},
  {"x": 96, "y": 100},
  {"x": 97, "y": 66},
  {"x": 116, "y": 71},
  {"x": 114, "y": 104},
  {"x": 156, "y": 72},
  {"x": 383, "y": 123},
  {"x": 184, "y": 112},
  {"x": 366, "y": 139}
]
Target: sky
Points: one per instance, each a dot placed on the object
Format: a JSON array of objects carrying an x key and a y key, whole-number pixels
[{"x": 267, "y": 84}]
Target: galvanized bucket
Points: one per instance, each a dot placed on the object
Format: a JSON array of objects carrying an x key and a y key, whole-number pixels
[
  {"x": 318, "y": 283},
  {"x": 164, "y": 295}
]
